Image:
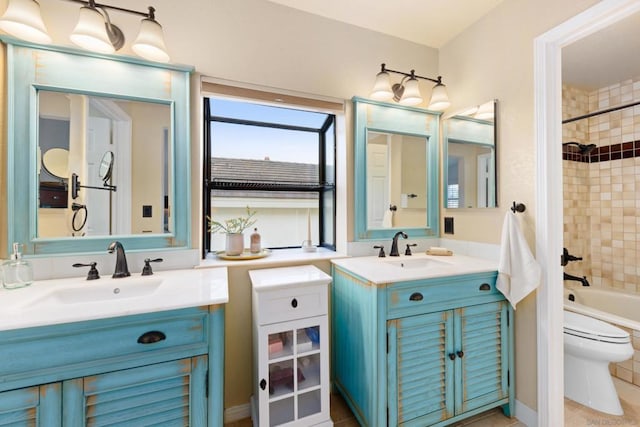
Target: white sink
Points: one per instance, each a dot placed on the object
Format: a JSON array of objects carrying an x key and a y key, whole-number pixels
[{"x": 417, "y": 263}]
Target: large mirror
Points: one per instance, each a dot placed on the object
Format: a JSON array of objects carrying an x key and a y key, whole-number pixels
[
  {"x": 396, "y": 170},
  {"x": 104, "y": 166},
  {"x": 98, "y": 151},
  {"x": 470, "y": 141}
]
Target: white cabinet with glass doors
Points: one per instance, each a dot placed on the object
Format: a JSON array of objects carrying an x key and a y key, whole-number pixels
[{"x": 291, "y": 353}]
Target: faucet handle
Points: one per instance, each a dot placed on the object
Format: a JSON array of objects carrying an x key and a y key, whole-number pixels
[
  {"x": 409, "y": 246},
  {"x": 381, "y": 253},
  {"x": 93, "y": 271},
  {"x": 146, "y": 270}
]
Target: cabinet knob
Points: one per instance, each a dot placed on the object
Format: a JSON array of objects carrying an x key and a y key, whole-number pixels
[
  {"x": 294, "y": 303},
  {"x": 452, "y": 356},
  {"x": 460, "y": 354},
  {"x": 485, "y": 287},
  {"x": 416, "y": 296},
  {"x": 263, "y": 384},
  {"x": 151, "y": 337}
]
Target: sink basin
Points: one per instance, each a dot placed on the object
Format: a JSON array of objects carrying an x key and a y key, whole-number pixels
[
  {"x": 416, "y": 263},
  {"x": 112, "y": 289}
]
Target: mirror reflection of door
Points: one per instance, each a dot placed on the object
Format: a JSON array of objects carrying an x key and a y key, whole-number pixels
[{"x": 377, "y": 180}]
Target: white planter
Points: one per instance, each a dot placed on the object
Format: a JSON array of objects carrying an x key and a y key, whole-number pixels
[{"x": 234, "y": 244}]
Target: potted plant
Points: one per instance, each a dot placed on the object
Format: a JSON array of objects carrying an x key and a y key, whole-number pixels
[{"x": 234, "y": 229}]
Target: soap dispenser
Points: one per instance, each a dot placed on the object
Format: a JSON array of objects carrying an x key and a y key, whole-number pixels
[{"x": 16, "y": 272}]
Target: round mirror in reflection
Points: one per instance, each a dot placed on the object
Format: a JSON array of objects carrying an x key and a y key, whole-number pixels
[
  {"x": 106, "y": 166},
  {"x": 56, "y": 162}
]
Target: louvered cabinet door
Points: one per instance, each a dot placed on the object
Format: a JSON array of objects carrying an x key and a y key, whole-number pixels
[
  {"x": 420, "y": 373},
  {"x": 165, "y": 394},
  {"x": 32, "y": 406},
  {"x": 482, "y": 350}
]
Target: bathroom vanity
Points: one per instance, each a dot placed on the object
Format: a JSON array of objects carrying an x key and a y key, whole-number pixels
[
  {"x": 420, "y": 340},
  {"x": 106, "y": 351}
]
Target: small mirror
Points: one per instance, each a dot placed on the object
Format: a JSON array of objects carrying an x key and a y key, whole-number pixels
[
  {"x": 56, "y": 162},
  {"x": 106, "y": 165},
  {"x": 470, "y": 140}
]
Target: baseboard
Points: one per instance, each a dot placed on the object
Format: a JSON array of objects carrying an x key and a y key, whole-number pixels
[
  {"x": 526, "y": 415},
  {"x": 236, "y": 413}
]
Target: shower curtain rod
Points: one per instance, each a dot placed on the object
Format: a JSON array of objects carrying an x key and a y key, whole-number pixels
[{"x": 597, "y": 113}]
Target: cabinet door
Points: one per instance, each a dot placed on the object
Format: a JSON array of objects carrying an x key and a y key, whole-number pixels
[
  {"x": 168, "y": 394},
  {"x": 420, "y": 372},
  {"x": 32, "y": 406},
  {"x": 482, "y": 350},
  {"x": 299, "y": 347}
]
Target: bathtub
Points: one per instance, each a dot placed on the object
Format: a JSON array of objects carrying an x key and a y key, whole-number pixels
[{"x": 617, "y": 308}]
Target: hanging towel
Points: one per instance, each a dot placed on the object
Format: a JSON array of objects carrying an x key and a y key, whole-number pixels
[
  {"x": 387, "y": 220},
  {"x": 518, "y": 271}
]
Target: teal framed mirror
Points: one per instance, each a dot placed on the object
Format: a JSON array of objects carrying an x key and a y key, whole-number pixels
[
  {"x": 86, "y": 105},
  {"x": 396, "y": 170},
  {"x": 470, "y": 140}
]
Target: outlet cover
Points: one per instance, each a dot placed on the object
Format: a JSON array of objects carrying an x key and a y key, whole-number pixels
[{"x": 448, "y": 225}]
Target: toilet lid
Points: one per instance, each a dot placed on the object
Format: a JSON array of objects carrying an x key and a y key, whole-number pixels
[{"x": 590, "y": 328}]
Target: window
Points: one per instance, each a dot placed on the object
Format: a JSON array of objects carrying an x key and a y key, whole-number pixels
[{"x": 278, "y": 161}]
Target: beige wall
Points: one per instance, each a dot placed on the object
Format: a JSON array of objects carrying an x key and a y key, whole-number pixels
[{"x": 494, "y": 59}]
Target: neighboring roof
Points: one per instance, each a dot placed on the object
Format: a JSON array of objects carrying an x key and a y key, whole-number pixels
[{"x": 244, "y": 170}]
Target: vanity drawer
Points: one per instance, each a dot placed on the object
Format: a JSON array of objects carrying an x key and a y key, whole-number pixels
[
  {"x": 291, "y": 303},
  {"x": 402, "y": 298},
  {"x": 79, "y": 349}
]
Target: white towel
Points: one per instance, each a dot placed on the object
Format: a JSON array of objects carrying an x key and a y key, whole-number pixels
[
  {"x": 387, "y": 220},
  {"x": 518, "y": 272}
]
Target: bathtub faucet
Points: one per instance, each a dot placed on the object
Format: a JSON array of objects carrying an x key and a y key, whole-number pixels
[{"x": 583, "y": 279}]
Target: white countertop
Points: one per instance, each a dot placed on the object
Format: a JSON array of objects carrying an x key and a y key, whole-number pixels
[
  {"x": 414, "y": 267},
  {"x": 286, "y": 277},
  {"x": 48, "y": 302}
]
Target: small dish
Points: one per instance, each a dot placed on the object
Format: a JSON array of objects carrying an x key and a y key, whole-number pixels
[{"x": 245, "y": 255}]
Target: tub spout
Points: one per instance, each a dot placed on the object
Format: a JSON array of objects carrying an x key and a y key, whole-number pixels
[{"x": 583, "y": 279}]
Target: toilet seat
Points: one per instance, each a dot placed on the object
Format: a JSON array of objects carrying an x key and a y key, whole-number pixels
[{"x": 593, "y": 329}]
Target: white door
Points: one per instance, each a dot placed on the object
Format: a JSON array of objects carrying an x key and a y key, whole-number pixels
[
  {"x": 484, "y": 180},
  {"x": 377, "y": 184}
]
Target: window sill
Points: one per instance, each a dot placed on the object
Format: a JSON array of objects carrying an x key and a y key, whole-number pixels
[{"x": 277, "y": 256}]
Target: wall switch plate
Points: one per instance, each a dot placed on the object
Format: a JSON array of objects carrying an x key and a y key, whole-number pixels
[
  {"x": 448, "y": 225},
  {"x": 146, "y": 211}
]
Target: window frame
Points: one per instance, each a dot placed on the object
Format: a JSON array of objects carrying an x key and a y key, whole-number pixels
[{"x": 326, "y": 184}]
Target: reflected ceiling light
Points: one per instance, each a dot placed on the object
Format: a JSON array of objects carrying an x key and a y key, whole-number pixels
[
  {"x": 94, "y": 30},
  {"x": 22, "y": 19},
  {"x": 407, "y": 92}
]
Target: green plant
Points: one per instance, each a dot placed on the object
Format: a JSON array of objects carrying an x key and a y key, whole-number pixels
[{"x": 233, "y": 225}]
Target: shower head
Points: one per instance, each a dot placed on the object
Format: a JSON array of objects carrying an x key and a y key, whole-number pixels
[{"x": 583, "y": 149}]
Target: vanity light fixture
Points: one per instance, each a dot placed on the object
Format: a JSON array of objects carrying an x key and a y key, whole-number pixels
[
  {"x": 94, "y": 30},
  {"x": 407, "y": 91}
]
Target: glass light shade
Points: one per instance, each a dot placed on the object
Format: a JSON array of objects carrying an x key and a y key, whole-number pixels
[
  {"x": 439, "y": 98},
  {"x": 150, "y": 42},
  {"x": 382, "y": 87},
  {"x": 411, "y": 95},
  {"x": 485, "y": 111},
  {"x": 22, "y": 19},
  {"x": 91, "y": 33}
]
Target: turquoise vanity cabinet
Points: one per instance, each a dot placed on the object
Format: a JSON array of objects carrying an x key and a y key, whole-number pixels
[
  {"x": 162, "y": 368},
  {"x": 421, "y": 352}
]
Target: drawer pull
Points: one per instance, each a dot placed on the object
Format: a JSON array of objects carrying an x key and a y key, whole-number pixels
[
  {"x": 460, "y": 354},
  {"x": 151, "y": 337},
  {"x": 294, "y": 303},
  {"x": 485, "y": 287},
  {"x": 263, "y": 384},
  {"x": 416, "y": 296},
  {"x": 452, "y": 356}
]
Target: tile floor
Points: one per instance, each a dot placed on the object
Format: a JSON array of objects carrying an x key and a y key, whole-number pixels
[{"x": 575, "y": 415}]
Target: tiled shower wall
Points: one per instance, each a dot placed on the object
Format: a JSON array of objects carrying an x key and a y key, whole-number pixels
[{"x": 602, "y": 189}]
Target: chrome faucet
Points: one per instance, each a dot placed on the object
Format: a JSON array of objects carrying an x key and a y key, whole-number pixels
[
  {"x": 122, "y": 270},
  {"x": 394, "y": 244}
]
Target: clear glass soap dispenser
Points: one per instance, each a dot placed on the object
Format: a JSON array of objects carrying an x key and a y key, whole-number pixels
[{"x": 16, "y": 272}]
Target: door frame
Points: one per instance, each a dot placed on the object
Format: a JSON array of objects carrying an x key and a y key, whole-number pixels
[{"x": 548, "y": 136}]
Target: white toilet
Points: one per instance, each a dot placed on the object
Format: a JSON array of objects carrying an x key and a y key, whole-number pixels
[{"x": 589, "y": 346}]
